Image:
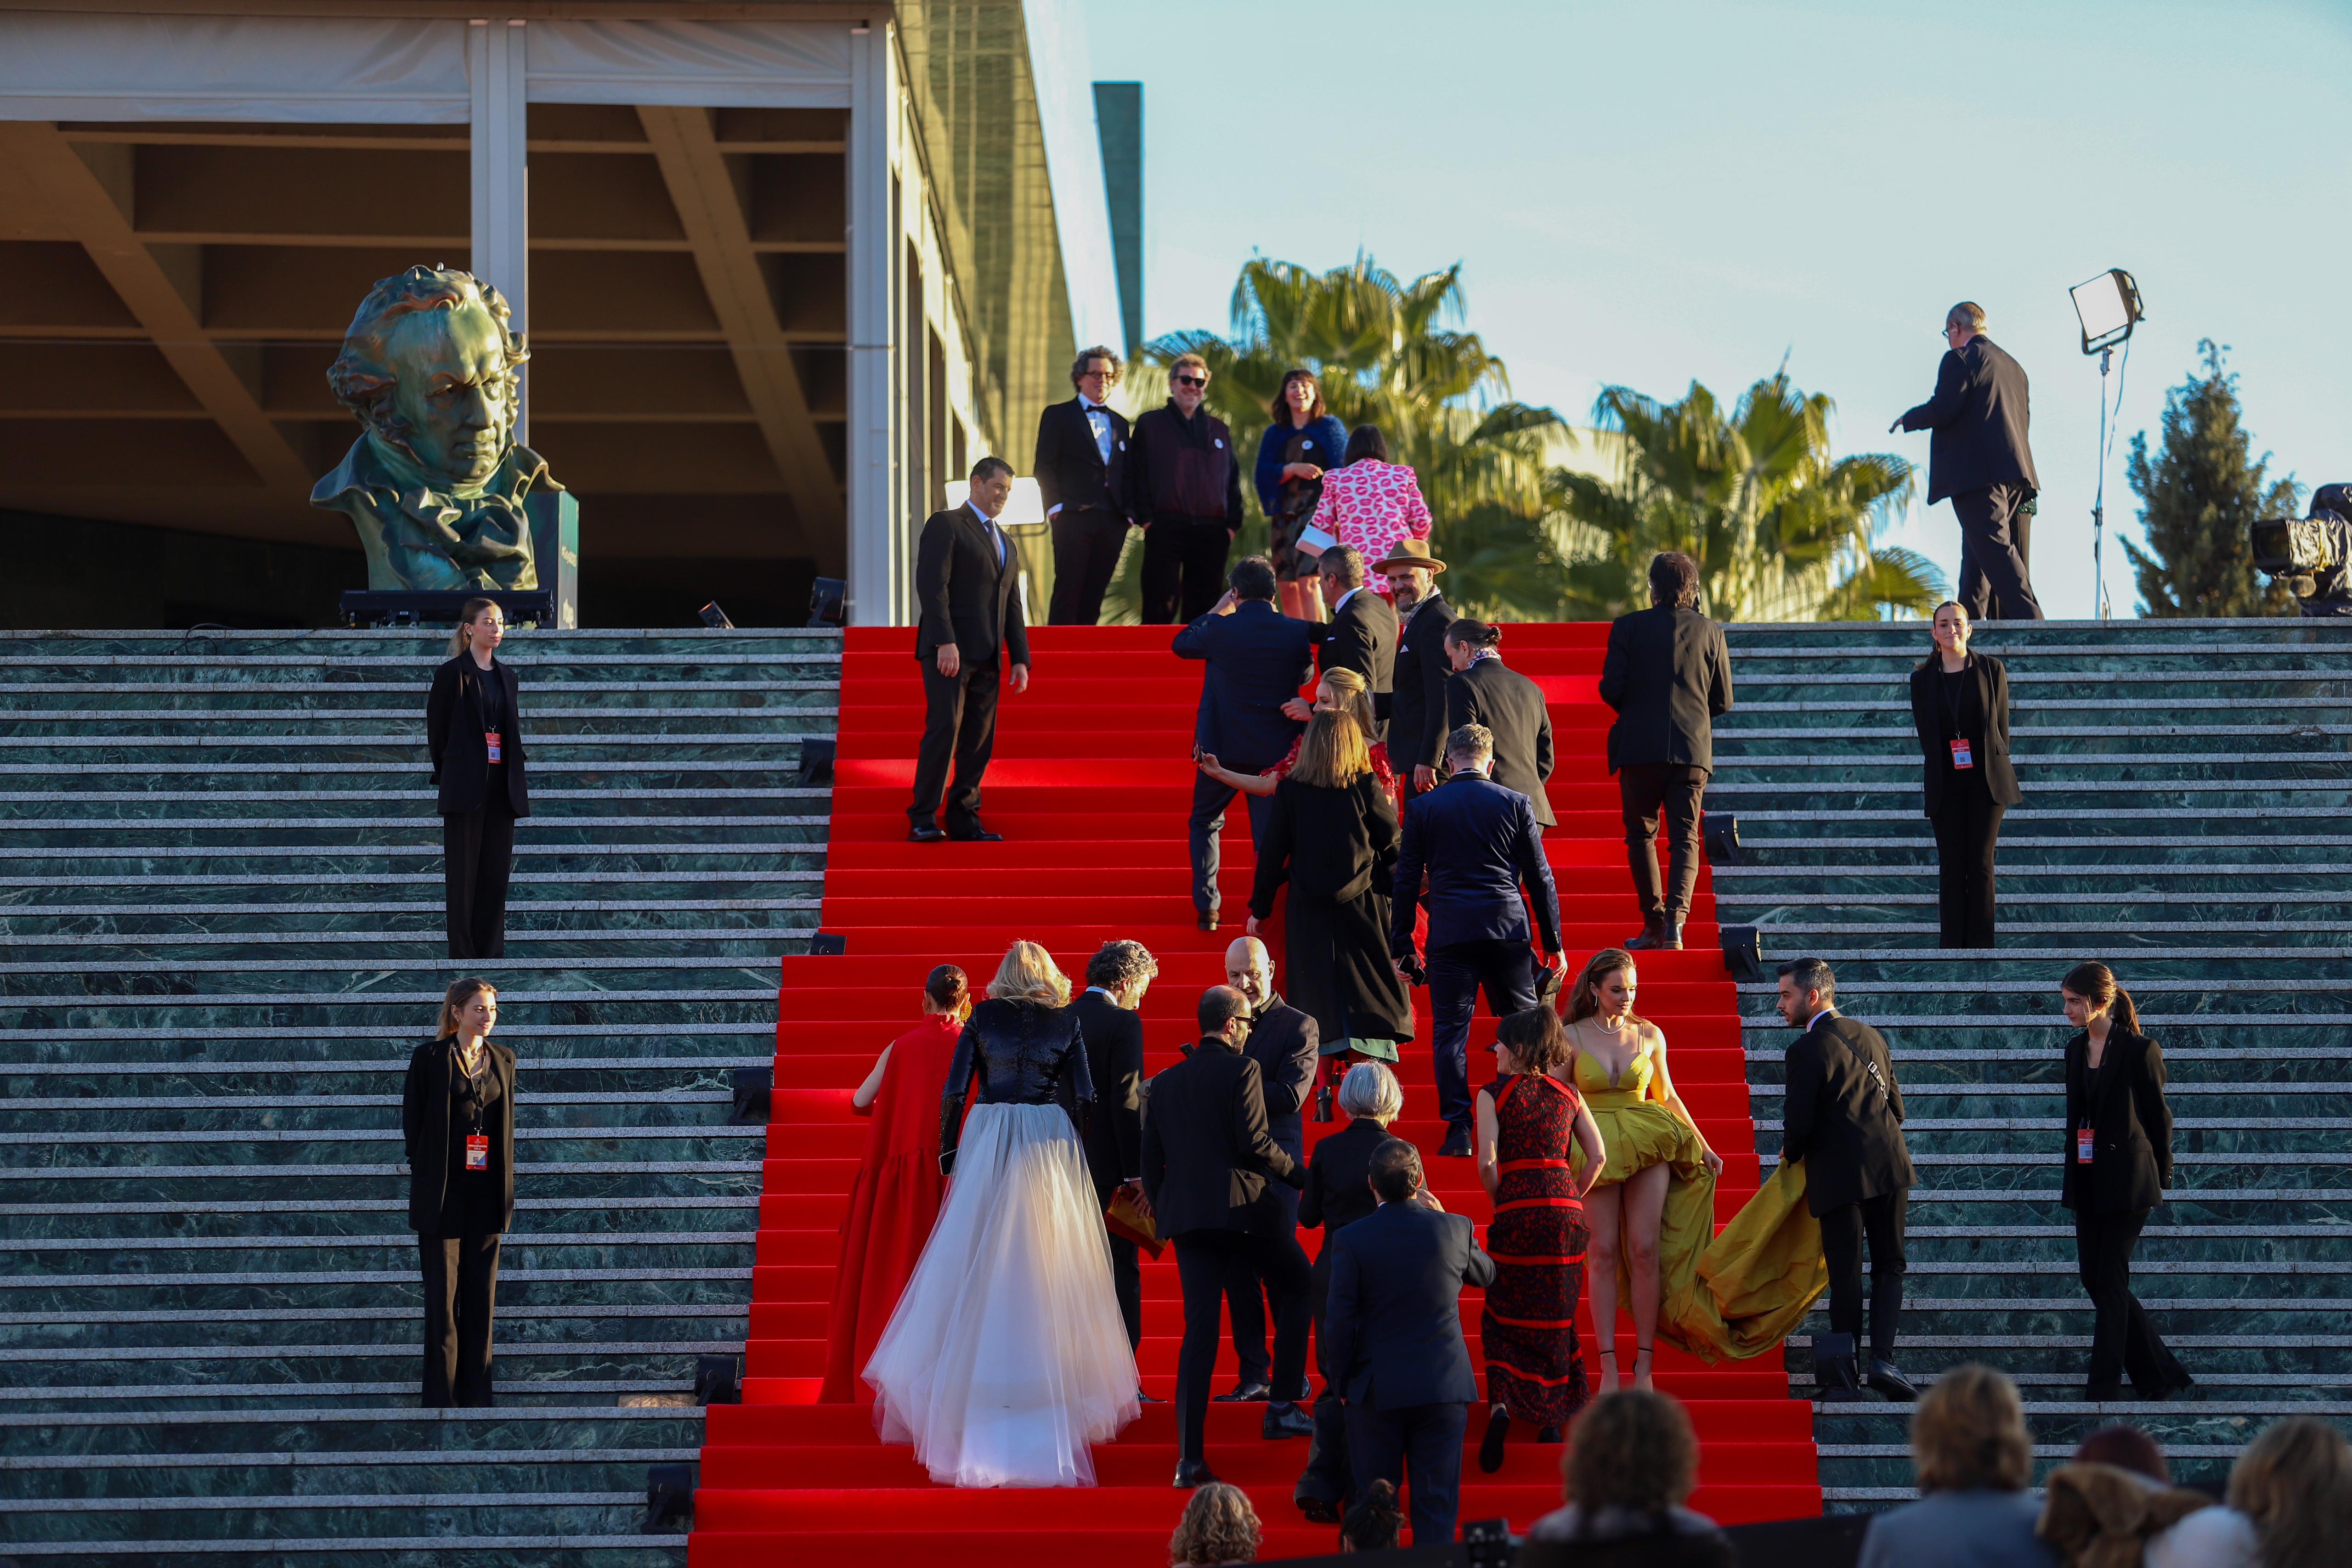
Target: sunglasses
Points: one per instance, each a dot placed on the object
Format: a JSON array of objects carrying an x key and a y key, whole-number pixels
[{"x": 1190, "y": 381}]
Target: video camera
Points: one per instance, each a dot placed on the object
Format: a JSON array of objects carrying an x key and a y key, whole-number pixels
[{"x": 2312, "y": 555}]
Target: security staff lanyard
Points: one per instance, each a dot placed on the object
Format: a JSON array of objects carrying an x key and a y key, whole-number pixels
[
  {"x": 2083, "y": 1135},
  {"x": 477, "y": 1142},
  {"x": 1963, "y": 755},
  {"x": 490, "y": 692}
]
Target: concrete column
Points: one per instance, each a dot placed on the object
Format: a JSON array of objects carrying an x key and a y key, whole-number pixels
[
  {"x": 501, "y": 196},
  {"x": 877, "y": 576}
]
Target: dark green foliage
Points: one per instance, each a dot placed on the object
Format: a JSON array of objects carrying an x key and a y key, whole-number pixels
[{"x": 2196, "y": 499}]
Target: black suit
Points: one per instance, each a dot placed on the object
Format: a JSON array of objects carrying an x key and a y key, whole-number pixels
[
  {"x": 1339, "y": 1193},
  {"x": 1114, "y": 1138},
  {"x": 1085, "y": 501},
  {"x": 1668, "y": 674},
  {"x": 1257, "y": 658},
  {"x": 1966, "y": 803},
  {"x": 1416, "y": 711},
  {"x": 2131, "y": 1166},
  {"x": 458, "y": 1214},
  {"x": 480, "y": 798},
  {"x": 1285, "y": 1044},
  {"x": 1184, "y": 485},
  {"x": 1979, "y": 457},
  {"x": 1362, "y": 637},
  {"x": 968, "y": 593},
  {"x": 1491, "y": 692},
  {"x": 1394, "y": 1321},
  {"x": 1206, "y": 1160},
  {"x": 1842, "y": 1116}
]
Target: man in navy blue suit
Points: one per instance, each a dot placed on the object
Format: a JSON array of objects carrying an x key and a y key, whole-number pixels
[
  {"x": 1394, "y": 1339},
  {"x": 1479, "y": 844},
  {"x": 1258, "y": 658}
]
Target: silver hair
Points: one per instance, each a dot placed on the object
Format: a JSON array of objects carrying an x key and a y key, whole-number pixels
[{"x": 1371, "y": 1090}]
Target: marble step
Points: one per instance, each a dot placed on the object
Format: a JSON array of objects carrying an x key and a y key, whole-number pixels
[
  {"x": 2246, "y": 1062},
  {"x": 285, "y": 1324},
  {"x": 182, "y": 1185},
  {"x": 240, "y": 1081},
  {"x": 35, "y": 1156}
]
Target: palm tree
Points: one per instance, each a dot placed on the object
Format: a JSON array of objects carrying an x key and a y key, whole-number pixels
[
  {"x": 1386, "y": 354},
  {"x": 1782, "y": 530}
]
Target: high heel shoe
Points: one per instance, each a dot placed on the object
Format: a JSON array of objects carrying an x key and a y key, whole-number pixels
[
  {"x": 1641, "y": 1376},
  {"x": 1490, "y": 1446},
  {"x": 1608, "y": 1373}
]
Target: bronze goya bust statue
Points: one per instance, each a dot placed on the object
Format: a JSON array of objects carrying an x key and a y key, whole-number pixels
[{"x": 436, "y": 484}]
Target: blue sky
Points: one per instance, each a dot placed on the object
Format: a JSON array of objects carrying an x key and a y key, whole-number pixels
[{"x": 1655, "y": 194}]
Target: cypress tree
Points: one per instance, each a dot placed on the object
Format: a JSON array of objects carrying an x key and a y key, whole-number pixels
[{"x": 2196, "y": 499}]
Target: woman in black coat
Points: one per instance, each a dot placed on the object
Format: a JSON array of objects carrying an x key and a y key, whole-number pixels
[
  {"x": 473, "y": 728},
  {"x": 1333, "y": 834},
  {"x": 456, "y": 1116},
  {"x": 2118, "y": 1160},
  {"x": 1959, "y": 701}
]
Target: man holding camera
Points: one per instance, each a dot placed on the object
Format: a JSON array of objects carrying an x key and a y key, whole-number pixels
[{"x": 1977, "y": 458}]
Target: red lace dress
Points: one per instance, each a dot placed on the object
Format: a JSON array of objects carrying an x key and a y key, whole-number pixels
[{"x": 1535, "y": 1368}]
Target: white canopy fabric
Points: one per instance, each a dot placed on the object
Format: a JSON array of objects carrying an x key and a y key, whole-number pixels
[{"x": 717, "y": 65}]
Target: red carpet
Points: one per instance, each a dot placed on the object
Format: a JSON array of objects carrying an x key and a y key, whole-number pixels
[{"x": 1090, "y": 785}]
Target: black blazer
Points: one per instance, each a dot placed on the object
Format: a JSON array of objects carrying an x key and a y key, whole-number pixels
[
  {"x": 1510, "y": 705},
  {"x": 1206, "y": 1152},
  {"x": 1113, "y": 1043},
  {"x": 1339, "y": 1191},
  {"x": 1286, "y": 1045},
  {"x": 425, "y": 1129},
  {"x": 1984, "y": 720},
  {"x": 1843, "y": 1114},
  {"x": 1257, "y": 658},
  {"x": 1416, "y": 711},
  {"x": 1330, "y": 845},
  {"x": 1070, "y": 468},
  {"x": 2131, "y": 1126},
  {"x": 453, "y": 728},
  {"x": 1668, "y": 676},
  {"x": 1362, "y": 637},
  {"x": 1392, "y": 1322},
  {"x": 1978, "y": 416},
  {"x": 963, "y": 595},
  {"x": 1479, "y": 844}
]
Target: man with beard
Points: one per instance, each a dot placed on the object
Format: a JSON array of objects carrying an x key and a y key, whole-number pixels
[{"x": 1416, "y": 709}]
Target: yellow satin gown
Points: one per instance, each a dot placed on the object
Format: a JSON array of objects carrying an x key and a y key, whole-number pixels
[{"x": 1735, "y": 1294}]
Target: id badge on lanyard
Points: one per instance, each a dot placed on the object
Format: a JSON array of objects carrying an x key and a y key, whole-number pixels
[
  {"x": 478, "y": 1151},
  {"x": 490, "y": 740},
  {"x": 1962, "y": 756},
  {"x": 2082, "y": 1145}
]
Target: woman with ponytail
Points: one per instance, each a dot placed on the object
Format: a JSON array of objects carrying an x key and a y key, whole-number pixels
[
  {"x": 473, "y": 732},
  {"x": 2118, "y": 1160}
]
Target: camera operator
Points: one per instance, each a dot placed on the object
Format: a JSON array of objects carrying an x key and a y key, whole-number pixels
[{"x": 2313, "y": 554}]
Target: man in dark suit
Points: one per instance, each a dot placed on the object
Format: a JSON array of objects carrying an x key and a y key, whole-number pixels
[
  {"x": 1416, "y": 711},
  {"x": 1207, "y": 1159},
  {"x": 1844, "y": 1117},
  {"x": 969, "y": 625},
  {"x": 1116, "y": 978},
  {"x": 1363, "y": 633},
  {"x": 1668, "y": 674},
  {"x": 1979, "y": 459},
  {"x": 1082, "y": 477},
  {"x": 1479, "y": 844},
  {"x": 1286, "y": 1045},
  {"x": 1484, "y": 691},
  {"x": 1395, "y": 1322},
  {"x": 1258, "y": 658}
]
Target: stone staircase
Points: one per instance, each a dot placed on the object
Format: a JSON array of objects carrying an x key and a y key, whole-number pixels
[
  {"x": 2189, "y": 785},
  {"x": 220, "y": 917}
]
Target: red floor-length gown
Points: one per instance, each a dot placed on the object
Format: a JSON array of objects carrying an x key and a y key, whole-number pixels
[{"x": 892, "y": 1204}]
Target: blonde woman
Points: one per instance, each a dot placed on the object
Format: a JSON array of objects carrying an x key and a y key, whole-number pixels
[
  {"x": 1219, "y": 1527},
  {"x": 1974, "y": 1456},
  {"x": 1006, "y": 1355},
  {"x": 1340, "y": 691},
  {"x": 457, "y": 1118},
  {"x": 1653, "y": 1210},
  {"x": 1332, "y": 836},
  {"x": 473, "y": 733}
]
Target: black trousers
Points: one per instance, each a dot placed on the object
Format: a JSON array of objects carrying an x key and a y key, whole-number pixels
[
  {"x": 959, "y": 722},
  {"x": 1183, "y": 568},
  {"x": 1209, "y": 1265},
  {"x": 478, "y": 857},
  {"x": 461, "y": 1287},
  {"x": 1247, "y": 1308},
  {"x": 1967, "y": 838},
  {"x": 1210, "y": 800},
  {"x": 1456, "y": 972},
  {"x": 1842, "y": 1230},
  {"x": 1328, "y": 1477},
  {"x": 1127, "y": 1283},
  {"x": 1087, "y": 542},
  {"x": 1645, "y": 791},
  {"x": 2123, "y": 1341},
  {"x": 1993, "y": 578},
  {"x": 1422, "y": 1440}
]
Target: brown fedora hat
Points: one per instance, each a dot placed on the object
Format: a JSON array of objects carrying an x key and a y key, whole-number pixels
[{"x": 1409, "y": 553}]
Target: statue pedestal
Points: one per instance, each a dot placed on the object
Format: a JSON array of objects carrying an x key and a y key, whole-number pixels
[
  {"x": 555, "y": 552},
  {"x": 399, "y": 606}
]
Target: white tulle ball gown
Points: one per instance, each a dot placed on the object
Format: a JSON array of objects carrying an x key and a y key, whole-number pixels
[{"x": 1006, "y": 1356}]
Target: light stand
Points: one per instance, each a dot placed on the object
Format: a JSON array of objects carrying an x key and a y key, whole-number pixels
[{"x": 2108, "y": 307}]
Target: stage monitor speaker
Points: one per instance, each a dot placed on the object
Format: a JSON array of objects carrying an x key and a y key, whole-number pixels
[
  {"x": 754, "y": 1095},
  {"x": 669, "y": 1500},
  {"x": 816, "y": 762},
  {"x": 1722, "y": 834},
  {"x": 718, "y": 1380},
  {"x": 1743, "y": 951},
  {"x": 828, "y": 945}
]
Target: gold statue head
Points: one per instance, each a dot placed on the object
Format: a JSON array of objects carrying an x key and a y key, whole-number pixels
[{"x": 429, "y": 366}]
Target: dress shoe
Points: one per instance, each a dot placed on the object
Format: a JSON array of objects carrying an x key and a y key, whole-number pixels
[
  {"x": 1208, "y": 920},
  {"x": 1286, "y": 1420},
  {"x": 1490, "y": 1446},
  {"x": 1834, "y": 1379},
  {"x": 1550, "y": 1435},
  {"x": 1194, "y": 1473},
  {"x": 1664, "y": 936},
  {"x": 1648, "y": 936},
  {"x": 1244, "y": 1392},
  {"x": 978, "y": 836},
  {"x": 925, "y": 833},
  {"x": 1457, "y": 1143},
  {"x": 1888, "y": 1380},
  {"x": 2103, "y": 1393}
]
